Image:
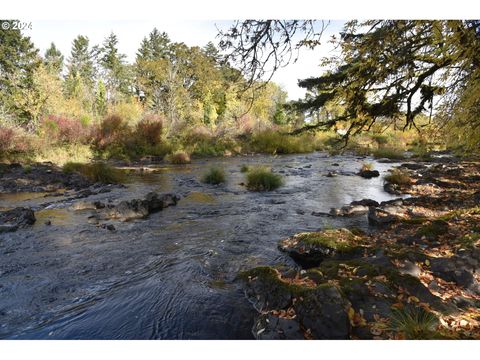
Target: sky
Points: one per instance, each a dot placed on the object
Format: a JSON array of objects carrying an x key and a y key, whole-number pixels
[{"x": 192, "y": 32}]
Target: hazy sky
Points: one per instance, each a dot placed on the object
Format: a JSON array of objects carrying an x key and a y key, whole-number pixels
[{"x": 191, "y": 32}]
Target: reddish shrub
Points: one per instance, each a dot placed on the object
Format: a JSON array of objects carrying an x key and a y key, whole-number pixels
[
  {"x": 112, "y": 130},
  {"x": 64, "y": 130},
  {"x": 7, "y": 139},
  {"x": 149, "y": 130}
]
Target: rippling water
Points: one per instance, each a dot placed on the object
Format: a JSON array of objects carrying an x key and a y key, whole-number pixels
[{"x": 173, "y": 275}]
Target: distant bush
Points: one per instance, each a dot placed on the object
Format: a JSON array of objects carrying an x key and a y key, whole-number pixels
[
  {"x": 16, "y": 142},
  {"x": 244, "y": 168},
  {"x": 389, "y": 153},
  {"x": 97, "y": 172},
  {"x": 129, "y": 111},
  {"x": 380, "y": 139},
  {"x": 273, "y": 142},
  {"x": 59, "y": 129},
  {"x": 112, "y": 131},
  {"x": 178, "y": 157},
  {"x": 398, "y": 177},
  {"x": 149, "y": 130},
  {"x": 7, "y": 139},
  {"x": 263, "y": 179},
  {"x": 214, "y": 176}
]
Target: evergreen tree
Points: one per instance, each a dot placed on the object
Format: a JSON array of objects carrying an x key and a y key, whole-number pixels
[
  {"x": 101, "y": 98},
  {"x": 211, "y": 51},
  {"x": 81, "y": 62},
  {"x": 18, "y": 61},
  {"x": 53, "y": 60},
  {"x": 115, "y": 72}
]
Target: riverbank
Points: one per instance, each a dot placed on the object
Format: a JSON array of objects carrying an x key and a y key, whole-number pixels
[{"x": 415, "y": 276}]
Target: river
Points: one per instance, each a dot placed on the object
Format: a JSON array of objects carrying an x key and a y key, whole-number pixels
[{"x": 172, "y": 275}]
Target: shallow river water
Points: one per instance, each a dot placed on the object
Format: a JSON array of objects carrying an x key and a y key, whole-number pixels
[{"x": 172, "y": 275}]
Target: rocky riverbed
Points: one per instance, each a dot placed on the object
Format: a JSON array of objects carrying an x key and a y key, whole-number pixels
[
  {"x": 328, "y": 255},
  {"x": 415, "y": 275}
]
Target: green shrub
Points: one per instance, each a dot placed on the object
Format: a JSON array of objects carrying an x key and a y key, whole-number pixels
[
  {"x": 178, "y": 157},
  {"x": 380, "y": 139},
  {"x": 244, "y": 168},
  {"x": 214, "y": 176},
  {"x": 263, "y": 179},
  {"x": 389, "y": 153},
  {"x": 398, "y": 177},
  {"x": 273, "y": 142},
  {"x": 97, "y": 172}
]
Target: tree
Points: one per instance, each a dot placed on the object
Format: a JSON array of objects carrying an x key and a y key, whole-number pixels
[
  {"x": 396, "y": 70},
  {"x": 261, "y": 47},
  {"x": 53, "y": 60},
  {"x": 115, "y": 71},
  {"x": 18, "y": 61},
  {"x": 386, "y": 69},
  {"x": 151, "y": 65},
  {"x": 101, "y": 98},
  {"x": 81, "y": 62}
]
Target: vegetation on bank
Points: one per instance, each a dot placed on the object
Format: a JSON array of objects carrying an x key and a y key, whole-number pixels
[
  {"x": 97, "y": 172},
  {"x": 90, "y": 108}
]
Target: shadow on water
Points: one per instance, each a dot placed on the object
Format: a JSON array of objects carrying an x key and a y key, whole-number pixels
[{"x": 173, "y": 275}]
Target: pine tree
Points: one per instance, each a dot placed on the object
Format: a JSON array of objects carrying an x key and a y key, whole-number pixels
[
  {"x": 115, "y": 71},
  {"x": 18, "y": 61},
  {"x": 53, "y": 60},
  {"x": 81, "y": 61}
]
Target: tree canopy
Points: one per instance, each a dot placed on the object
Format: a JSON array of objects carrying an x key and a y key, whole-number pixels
[{"x": 387, "y": 70}]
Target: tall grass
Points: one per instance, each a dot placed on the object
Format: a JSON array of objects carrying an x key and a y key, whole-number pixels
[
  {"x": 263, "y": 179},
  {"x": 398, "y": 177},
  {"x": 214, "y": 176},
  {"x": 97, "y": 172},
  {"x": 414, "y": 323}
]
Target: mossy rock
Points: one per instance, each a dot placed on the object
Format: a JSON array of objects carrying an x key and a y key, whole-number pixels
[
  {"x": 267, "y": 290},
  {"x": 433, "y": 230},
  {"x": 320, "y": 308},
  {"x": 310, "y": 248}
]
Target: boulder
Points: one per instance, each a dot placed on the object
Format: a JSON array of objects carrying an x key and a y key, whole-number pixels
[
  {"x": 20, "y": 217},
  {"x": 310, "y": 249},
  {"x": 365, "y": 202},
  {"x": 392, "y": 188},
  {"x": 140, "y": 208},
  {"x": 368, "y": 174},
  {"x": 457, "y": 270},
  {"x": 386, "y": 214},
  {"x": 349, "y": 210},
  {"x": 413, "y": 166},
  {"x": 271, "y": 327},
  {"x": 87, "y": 205},
  {"x": 322, "y": 311}
]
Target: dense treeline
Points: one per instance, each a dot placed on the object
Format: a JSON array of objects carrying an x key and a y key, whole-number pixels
[
  {"x": 94, "y": 95},
  {"x": 176, "y": 99}
]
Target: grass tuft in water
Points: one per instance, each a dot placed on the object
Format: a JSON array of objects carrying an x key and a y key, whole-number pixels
[
  {"x": 263, "y": 179},
  {"x": 214, "y": 176}
]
